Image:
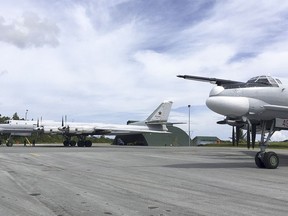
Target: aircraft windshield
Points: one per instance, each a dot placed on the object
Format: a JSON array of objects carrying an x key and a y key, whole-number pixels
[{"x": 264, "y": 81}]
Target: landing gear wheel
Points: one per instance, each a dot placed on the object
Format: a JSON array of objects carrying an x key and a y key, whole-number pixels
[
  {"x": 72, "y": 143},
  {"x": 9, "y": 144},
  {"x": 66, "y": 143},
  {"x": 258, "y": 160},
  {"x": 271, "y": 160},
  {"x": 80, "y": 143},
  {"x": 88, "y": 143}
]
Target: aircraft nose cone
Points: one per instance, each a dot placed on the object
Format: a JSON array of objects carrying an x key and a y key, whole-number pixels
[{"x": 228, "y": 106}]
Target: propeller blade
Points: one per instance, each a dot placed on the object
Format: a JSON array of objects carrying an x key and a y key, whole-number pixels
[
  {"x": 233, "y": 135},
  {"x": 248, "y": 136},
  {"x": 62, "y": 122},
  {"x": 254, "y": 127},
  {"x": 37, "y": 122},
  {"x": 237, "y": 135},
  {"x": 65, "y": 120}
]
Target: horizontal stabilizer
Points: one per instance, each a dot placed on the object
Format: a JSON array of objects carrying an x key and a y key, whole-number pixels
[{"x": 173, "y": 123}]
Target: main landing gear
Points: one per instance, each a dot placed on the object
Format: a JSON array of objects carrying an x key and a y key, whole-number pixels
[
  {"x": 82, "y": 142},
  {"x": 9, "y": 141},
  {"x": 263, "y": 159}
]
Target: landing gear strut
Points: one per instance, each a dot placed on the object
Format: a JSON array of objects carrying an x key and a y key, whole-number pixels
[{"x": 263, "y": 159}]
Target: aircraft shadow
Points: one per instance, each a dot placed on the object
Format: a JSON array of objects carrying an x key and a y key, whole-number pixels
[
  {"x": 212, "y": 165},
  {"x": 240, "y": 163}
]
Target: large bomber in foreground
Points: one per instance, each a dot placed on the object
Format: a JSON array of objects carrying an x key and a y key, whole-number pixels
[{"x": 260, "y": 104}]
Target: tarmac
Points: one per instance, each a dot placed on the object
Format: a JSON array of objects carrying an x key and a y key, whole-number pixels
[{"x": 139, "y": 181}]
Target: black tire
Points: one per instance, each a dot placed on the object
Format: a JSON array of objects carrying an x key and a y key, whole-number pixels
[
  {"x": 66, "y": 143},
  {"x": 88, "y": 143},
  {"x": 80, "y": 143},
  {"x": 9, "y": 144},
  {"x": 72, "y": 143},
  {"x": 271, "y": 160},
  {"x": 259, "y": 163}
]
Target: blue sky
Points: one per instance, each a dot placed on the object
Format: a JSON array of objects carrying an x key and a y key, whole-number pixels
[{"x": 114, "y": 60}]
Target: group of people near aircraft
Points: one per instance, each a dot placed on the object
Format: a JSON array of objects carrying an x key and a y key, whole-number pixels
[{"x": 259, "y": 105}]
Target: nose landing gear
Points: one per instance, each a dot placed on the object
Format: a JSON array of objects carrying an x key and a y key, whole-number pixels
[
  {"x": 269, "y": 160},
  {"x": 263, "y": 159}
]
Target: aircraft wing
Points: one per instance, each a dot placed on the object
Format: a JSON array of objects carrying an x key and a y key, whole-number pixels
[
  {"x": 100, "y": 129},
  {"x": 129, "y": 130},
  {"x": 276, "y": 108},
  {"x": 217, "y": 81}
]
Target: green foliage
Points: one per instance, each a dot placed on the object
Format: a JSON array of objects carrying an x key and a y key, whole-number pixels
[
  {"x": 272, "y": 145},
  {"x": 48, "y": 138},
  {"x": 3, "y": 119},
  {"x": 15, "y": 116}
]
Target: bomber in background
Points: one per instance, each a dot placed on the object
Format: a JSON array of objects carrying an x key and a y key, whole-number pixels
[
  {"x": 260, "y": 104},
  {"x": 155, "y": 123}
]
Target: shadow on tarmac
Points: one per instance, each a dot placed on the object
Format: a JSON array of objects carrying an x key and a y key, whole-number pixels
[
  {"x": 244, "y": 162},
  {"x": 213, "y": 165}
]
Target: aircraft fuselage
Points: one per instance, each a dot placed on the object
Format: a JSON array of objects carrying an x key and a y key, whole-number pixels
[{"x": 251, "y": 102}]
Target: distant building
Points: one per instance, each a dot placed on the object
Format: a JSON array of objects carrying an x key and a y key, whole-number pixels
[
  {"x": 204, "y": 140},
  {"x": 176, "y": 137}
]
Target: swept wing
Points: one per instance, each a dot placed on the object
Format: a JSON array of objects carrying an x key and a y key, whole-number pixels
[{"x": 219, "y": 82}]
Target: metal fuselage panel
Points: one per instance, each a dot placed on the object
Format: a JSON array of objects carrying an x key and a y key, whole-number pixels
[
  {"x": 255, "y": 98},
  {"x": 21, "y": 130}
]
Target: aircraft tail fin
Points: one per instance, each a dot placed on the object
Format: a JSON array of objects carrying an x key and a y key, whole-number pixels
[
  {"x": 158, "y": 120},
  {"x": 161, "y": 114}
]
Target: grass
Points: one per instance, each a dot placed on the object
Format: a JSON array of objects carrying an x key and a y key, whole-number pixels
[{"x": 272, "y": 145}]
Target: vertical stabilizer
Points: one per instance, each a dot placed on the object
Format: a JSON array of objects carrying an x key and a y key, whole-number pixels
[{"x": 161, "y": 114}]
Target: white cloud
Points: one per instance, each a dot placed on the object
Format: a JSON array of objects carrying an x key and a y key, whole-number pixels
[{"x": 29, "y": 31}]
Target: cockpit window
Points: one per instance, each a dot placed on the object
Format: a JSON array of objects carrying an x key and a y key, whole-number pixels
[
  {"x": 278, "y": 81},
  {"x": 272, "y": 81},
  {"x": 264, "y": 81}
]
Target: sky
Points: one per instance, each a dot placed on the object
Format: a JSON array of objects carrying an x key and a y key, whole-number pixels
[{"x": 111, "y": 61}]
